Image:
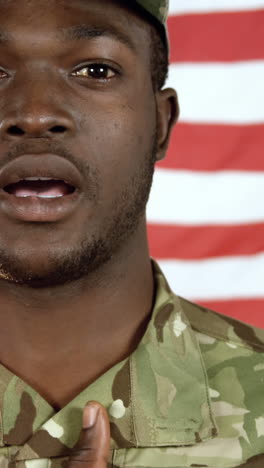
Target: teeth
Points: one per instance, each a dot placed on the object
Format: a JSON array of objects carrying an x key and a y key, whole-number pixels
[
  {"x": 39, "y": 196},
  {"x": 49, "y": 196},
  {"x": 39, "y": 178}
]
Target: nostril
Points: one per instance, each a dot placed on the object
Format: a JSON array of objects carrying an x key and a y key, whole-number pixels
[
  {"x": 15, "y": 130},
  {"x": 58, "y": 129},
  {"x": 35, "y": 129}
]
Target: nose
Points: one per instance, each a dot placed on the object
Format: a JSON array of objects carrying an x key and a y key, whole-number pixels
[
  {"x": 34, "y": 125},
  {"x": 34, "y": 111}
]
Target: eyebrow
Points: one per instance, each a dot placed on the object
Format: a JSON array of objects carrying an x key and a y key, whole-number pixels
[{"x": 83, "y": 31}]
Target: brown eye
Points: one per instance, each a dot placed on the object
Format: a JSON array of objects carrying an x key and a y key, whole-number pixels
[{"x": 96, "y": 71}]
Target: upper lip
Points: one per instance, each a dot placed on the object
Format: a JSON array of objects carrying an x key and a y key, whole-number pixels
[{"x": 40, "y": 165}]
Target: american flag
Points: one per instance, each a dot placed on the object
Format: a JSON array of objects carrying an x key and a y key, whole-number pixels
[{"x": 206, "y": 210}]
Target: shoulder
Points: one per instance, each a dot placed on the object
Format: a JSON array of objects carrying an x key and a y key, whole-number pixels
[{"x": 221, "y": 327}]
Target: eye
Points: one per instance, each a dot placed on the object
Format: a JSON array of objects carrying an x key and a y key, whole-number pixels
[
  {"x": 97, "y": 71},
  {"x": 2, "y": 74}
]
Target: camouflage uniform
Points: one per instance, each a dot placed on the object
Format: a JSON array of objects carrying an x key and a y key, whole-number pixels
[{"x": 192, "y": 394}]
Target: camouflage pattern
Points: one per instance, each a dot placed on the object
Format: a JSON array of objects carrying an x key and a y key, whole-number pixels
[
  {"x": 157, "y": 8},
  {"x": 191, "y": 395}
]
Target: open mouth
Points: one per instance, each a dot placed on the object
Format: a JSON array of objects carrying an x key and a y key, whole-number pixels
[{"x": 41, "y": 187}]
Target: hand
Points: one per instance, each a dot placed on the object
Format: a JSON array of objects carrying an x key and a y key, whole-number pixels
[{"x": 92, "y": 449}]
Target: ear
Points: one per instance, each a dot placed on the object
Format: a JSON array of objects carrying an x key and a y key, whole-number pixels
[{"x": 167, "y": 115}]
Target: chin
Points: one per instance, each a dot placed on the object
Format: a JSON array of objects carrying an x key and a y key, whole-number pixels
[
  {"x": 53, "y": 268},
  {"x": 27, "y": 268},
  {"x": 27, "y": 275}
]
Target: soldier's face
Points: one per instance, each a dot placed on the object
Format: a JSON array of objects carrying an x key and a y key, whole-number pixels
[{"x": 75, "y": 82}]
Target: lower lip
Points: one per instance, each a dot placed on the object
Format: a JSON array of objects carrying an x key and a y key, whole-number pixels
[{"x": 36, "y": 209}]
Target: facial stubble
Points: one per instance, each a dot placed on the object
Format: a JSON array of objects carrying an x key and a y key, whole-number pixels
[{"x": 93, "y": 252}]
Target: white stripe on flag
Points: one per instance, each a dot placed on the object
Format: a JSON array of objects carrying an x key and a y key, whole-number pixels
[
  {"x": 229, "y": 93},
  {"x": 200, "y": 6},
  {"x": 222, "y": 278},
  {"x": 202, "y": 198}
]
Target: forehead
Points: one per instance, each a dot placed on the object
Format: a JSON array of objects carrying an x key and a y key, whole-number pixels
[{"x": 52, "y": 17}]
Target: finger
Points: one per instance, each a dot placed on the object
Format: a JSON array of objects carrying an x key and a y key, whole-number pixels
[{"x": 92, "y": 449}]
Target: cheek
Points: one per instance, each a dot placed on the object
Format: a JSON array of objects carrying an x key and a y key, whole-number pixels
[
  {"x": 121, "y": 135},
  {"x": 122, "y": 118},
  {"x": 117, "y": 135},
  {"x": 128, "y": 144}
]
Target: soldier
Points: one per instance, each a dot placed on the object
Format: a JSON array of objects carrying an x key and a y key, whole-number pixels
[{"x": 86, "y": 315}]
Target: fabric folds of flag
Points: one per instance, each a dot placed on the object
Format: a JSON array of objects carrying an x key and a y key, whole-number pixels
[{"x": 206, "y": 210}]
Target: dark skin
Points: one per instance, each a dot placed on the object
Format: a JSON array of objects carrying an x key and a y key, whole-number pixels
[{"x": 109, "y": 123}]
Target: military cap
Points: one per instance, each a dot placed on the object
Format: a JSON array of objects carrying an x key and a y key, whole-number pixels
[{"x": 158, "y": 10}]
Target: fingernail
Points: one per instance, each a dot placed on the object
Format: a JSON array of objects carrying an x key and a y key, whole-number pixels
[{"x": 90, "y": 414}]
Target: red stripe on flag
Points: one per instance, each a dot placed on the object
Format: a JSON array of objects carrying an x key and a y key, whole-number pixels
[
  {"x": 216, "y": 147},
  {"x": 250, "y": 311},
  {"x": 218, "y": 37},
  {"x": 193, "y": 243}
]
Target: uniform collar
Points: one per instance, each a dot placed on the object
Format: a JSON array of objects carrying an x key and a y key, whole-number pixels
[
  {"x": 157, "y": 397},
  {"x": 169, "y": 386}
]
